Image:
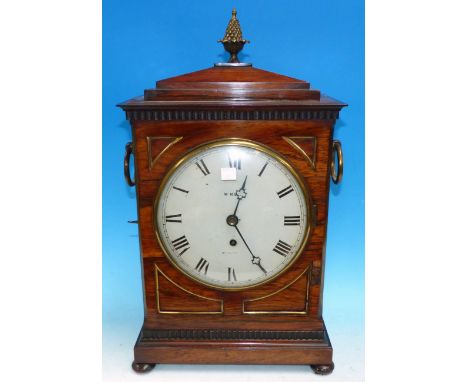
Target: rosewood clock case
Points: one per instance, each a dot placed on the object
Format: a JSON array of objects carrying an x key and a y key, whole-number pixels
[{"x": 279, "y": 322}]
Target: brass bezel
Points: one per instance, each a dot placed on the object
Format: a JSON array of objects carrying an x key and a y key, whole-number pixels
[{"x": 233, "y": 142}]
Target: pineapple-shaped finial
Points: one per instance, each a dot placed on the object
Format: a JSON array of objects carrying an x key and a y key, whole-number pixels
[{"x": 233, "y": 41}]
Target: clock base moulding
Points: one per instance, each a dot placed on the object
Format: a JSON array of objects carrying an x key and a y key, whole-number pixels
[{"x": 221, "y": 346}]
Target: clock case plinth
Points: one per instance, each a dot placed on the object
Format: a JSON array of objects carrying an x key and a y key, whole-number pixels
[{"x": 279, "y": 322}]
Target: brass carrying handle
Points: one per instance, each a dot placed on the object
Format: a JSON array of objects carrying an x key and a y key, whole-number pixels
[
  {"x": 336, "y": 176},
  {"x": 128, "y": 152}
]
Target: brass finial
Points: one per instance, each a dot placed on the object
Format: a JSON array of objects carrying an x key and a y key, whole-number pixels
[{"x": 233, "y": 41}]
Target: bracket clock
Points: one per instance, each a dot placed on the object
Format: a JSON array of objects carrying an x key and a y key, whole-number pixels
[{"x": 232, "y": 174}]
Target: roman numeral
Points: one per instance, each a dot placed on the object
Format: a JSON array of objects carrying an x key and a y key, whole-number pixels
[
  {"x": 263, "y": 169},
  {"x": 202, "y": 265},
  {"x": 180, "y": 189},
  {"x": 292, "y": 220},
  {"x": 285, "y": 191},
  {"x": 174, "y": 218},
  {"x": 282, "y": 248},
  {"x": 231, "y": 274},
  {"x": 234, "y": 163},
  {"x": 202, "y": 166},
  {"x": 180, "y": 243}
]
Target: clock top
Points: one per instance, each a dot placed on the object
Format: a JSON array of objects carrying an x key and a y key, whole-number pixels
[{"x": 233, "y": 84}]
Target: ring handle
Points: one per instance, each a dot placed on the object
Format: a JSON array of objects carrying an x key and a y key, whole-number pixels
[
  {"x": 128, "y": 152},
  {"x": 336, "y": 176}
]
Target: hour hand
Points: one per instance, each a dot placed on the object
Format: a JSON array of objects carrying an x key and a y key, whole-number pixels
[
  {"x": 243, "y": 184},
  {"x": 240, "y": 194}
]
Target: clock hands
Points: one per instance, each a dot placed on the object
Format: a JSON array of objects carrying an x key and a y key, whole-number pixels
[
  {"x": 240, "y": 194},
  {"x": 255, "y": 259},
  {"x": 233, "y": 220}
]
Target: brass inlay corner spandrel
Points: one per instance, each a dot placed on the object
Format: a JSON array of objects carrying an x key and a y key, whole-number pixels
[
  {"x": 295, "y": 142},
  {"x": 171, "y": 141},
  {"x": 158, "y": 272},
  {"x": 283, "y": 312}
]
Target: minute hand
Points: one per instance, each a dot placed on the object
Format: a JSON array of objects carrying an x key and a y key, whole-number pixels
[{"x": 255, "y": 259}]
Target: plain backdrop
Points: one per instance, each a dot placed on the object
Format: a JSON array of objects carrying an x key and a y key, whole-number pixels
[
  {"x": 55, "y": 292},
  {"x": 318, "y": 41}
]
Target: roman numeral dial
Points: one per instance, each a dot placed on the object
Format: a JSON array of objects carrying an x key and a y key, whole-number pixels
[
  {"x": 181, "y": 244},
  {"x": 231, "y": 274},
  {"x": 202, "y": 166},
  {"x": 236, "y": 163},
  {"x": 292, "y": 220},
  {"x": 285, "y": 191},
  {"x": 202, "y": 266},
  {"x": 180, "y": 189},
  {"x": 230, "y": 215},
  {"x": 263, "y": 169},
  {"x": 282, "y": 248},
  {"x": 174, "y": 218}
]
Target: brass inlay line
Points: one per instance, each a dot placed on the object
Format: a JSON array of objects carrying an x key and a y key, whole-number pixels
[
  {"x": 306, "y": 305},
  {"x": 152, "y": 162},
  {"x": 157, "y": 271},
  {"x": 291, "y": 141}
]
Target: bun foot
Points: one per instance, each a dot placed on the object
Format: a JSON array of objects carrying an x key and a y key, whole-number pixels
[
  {"x": 142, "y": 367},
  {"x": 323, "y": 369}
]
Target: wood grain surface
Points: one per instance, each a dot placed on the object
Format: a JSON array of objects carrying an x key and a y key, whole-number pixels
[{"x": 180, "y": 114}]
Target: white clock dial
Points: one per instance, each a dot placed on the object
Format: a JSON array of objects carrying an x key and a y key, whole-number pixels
[{"x": 232, "y": 214}]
